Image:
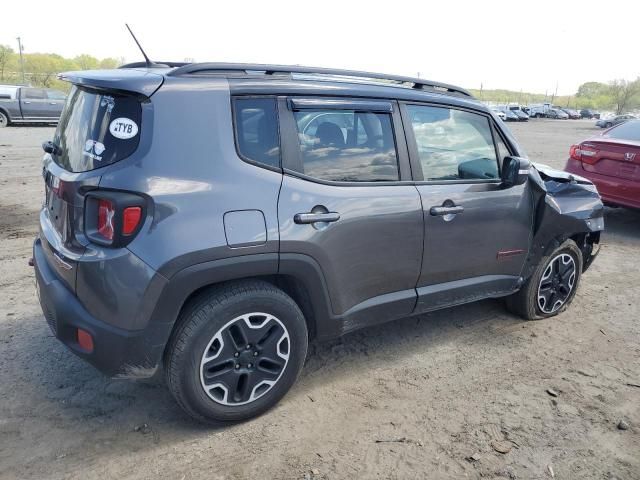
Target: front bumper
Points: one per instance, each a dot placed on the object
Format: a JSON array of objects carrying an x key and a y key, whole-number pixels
[{"x": 116, "y": 352}]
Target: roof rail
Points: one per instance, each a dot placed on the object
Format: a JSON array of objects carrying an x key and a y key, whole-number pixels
[
  {"x": 227, "y": 68},
  {"x": 155, "y": 64}
]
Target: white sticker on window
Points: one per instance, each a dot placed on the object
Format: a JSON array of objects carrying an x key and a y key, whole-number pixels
[{"x": 123, "y": 128}]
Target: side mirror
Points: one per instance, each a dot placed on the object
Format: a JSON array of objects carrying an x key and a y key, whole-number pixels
[{"x": 515, "y": 171}]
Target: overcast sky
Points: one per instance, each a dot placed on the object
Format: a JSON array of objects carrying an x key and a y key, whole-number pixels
[{"x": 526, "y": 44}]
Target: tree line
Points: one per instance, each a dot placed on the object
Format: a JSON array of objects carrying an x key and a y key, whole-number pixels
[
  {"x": 620, "y": 96},
  {"x": 41, "y": 70}
]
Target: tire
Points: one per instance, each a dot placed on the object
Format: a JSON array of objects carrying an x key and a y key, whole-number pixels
[
  {"x": 237, "y": 351},
  {"x": 608, "y": 125},
  {"x": 527, "y": 302},
  {"x": 4, "y": 119}
]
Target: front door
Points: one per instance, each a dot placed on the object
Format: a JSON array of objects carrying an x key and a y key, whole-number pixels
[
  {"x": 347, "y": 203},
  {"x": 477, "y": 233}
]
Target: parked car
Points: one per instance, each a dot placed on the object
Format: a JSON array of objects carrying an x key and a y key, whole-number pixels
[
  {"x": 273, "y": 213},
  {"x": 611, "y": 121},
  {"x": 510, "y": 116},
  {"x": 557, "y": 114},
  {"x": 573, "y": 114},
  {"x": 612, "y": 162},
  {"x": 499, "y": 113},
  {"x": 588, "y": 113},
  {"x": 20, "y": 104},
  {"x": 522, "y": 116}
]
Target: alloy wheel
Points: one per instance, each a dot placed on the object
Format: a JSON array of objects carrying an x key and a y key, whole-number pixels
[
  {"x": 245, "y": 359},
  {"x": 557, "y": 283}
]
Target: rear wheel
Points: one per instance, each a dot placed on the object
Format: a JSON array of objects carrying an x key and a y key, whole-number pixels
[
  {"x": 238, "y": 350},
  {"x": 4, "y": 120},
  {"x": 551, "y": 287},
  {"x": 608, "y": 125}
]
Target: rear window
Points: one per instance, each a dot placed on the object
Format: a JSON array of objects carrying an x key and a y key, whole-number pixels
[
  {"x": 626, "y": 131},
  {"x": 256, "y": 121},
  {"x": 96, "y": 129}
]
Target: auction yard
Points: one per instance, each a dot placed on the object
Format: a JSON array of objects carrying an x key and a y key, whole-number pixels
[{"x": 467, "y": 392}]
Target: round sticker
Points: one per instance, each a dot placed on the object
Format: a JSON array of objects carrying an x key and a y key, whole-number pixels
[{"x": 123, "y": 128}]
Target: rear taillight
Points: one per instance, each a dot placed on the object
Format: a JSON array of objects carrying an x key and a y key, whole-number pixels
[
  {"x": 574, "y": 152},
  {"x": 113, "y": 218},
  {"x": 583, "y": 153},
  {"x": 106, "y": 212}
]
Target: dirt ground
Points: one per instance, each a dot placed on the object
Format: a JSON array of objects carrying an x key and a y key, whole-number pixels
[{"x": 427, "y": 397}]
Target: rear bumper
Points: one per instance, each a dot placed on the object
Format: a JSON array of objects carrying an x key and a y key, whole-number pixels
[
  {"x": 116, "y": 352},
  {"x": 612, "y": 190}
]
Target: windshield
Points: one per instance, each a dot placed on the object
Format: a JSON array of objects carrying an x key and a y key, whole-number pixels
[{"x": 96, "y": 129}]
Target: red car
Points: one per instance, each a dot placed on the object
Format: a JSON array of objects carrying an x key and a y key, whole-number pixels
[{"x": 612, "y": 162}]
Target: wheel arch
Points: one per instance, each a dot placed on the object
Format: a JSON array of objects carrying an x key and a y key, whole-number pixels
[
  {"x": 6, "y": 114},
  {"x": 299, "y": 276}
]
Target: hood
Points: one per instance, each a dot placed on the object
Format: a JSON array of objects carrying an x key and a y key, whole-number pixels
[{"x": 549, "y": 173}]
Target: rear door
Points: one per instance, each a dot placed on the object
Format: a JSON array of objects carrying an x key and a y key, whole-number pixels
[
  {"x": 347, "y": 203},
  {"x": 34, "y": 103},
  {"x": 54, "y": 104},
  {"x": 477, "y": 233}
]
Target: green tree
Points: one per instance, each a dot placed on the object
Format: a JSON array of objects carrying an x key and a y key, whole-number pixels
[
  {"x": 86, "y": 62},
  {"x": 108, "y": 63},
  {"x": 625, "y": 94},
  {"x": 7, "y": 56},
  {"x": 43, "y": 68},
  {"x": 592, "y": 89}
]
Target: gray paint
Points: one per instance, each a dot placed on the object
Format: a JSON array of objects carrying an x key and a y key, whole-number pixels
[
  {"x": 213, "y": 217},
  {"x": 245, "y": 228}
]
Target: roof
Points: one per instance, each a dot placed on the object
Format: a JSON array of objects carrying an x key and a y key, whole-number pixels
[{"x": 296, "y": 72}]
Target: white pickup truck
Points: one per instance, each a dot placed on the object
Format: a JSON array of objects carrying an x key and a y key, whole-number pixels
[{"x": 20, "y": 104}]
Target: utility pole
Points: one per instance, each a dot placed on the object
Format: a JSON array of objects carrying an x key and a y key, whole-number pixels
[{"x": 21, "y": 59}]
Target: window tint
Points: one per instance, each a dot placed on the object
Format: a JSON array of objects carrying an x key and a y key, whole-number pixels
[
  {"x": 55, "y": 95},
  {"x": 503, "y": 151},
  {"x": 347, "y": 146},
  {"x": 453, "y": 144},
  {"x": 625, "y": 131},
  {"x": 84, "y": 134},
  {"x": 256, "y": 122},
  {"x": 34, "y": 93}
]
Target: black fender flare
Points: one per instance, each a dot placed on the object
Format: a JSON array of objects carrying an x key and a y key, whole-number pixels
[{"x": 183, "y": 284}]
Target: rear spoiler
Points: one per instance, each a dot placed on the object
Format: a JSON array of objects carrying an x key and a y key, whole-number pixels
[{"x": 142, "y": 82}]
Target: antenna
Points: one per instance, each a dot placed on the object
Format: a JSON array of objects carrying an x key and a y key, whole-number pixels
[{"x": 149, "y": 62}]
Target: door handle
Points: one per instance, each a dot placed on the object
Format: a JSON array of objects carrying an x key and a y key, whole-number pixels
[
  {"x": 26, "y": 102},
  {"x": 52, "y": 103},
  {"x": 453, "y": 210},
  {"x": 311, "y": 217}
]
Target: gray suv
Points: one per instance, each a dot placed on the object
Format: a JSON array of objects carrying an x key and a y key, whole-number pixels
[{"x": 212, "y": 219}]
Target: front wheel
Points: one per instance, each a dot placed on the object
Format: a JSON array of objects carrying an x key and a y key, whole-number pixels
[
  {"x": 551, "y": 287},
  {"x": 608, "y": 125},
  {"x": 238, "y": 350}
]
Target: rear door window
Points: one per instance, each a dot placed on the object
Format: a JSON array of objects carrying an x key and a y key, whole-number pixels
[
  {"x": 34, "y": 93},
  {"x": 347, "y": 145},
  {"x": 453, "y": 144},
  {"x": 96, "y": 129}
]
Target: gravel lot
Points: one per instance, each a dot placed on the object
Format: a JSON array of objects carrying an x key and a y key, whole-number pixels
[{"x": 433, "y": 396}]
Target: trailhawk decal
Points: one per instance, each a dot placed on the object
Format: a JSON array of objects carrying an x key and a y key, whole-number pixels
[{"x": 123, "y": 128}]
